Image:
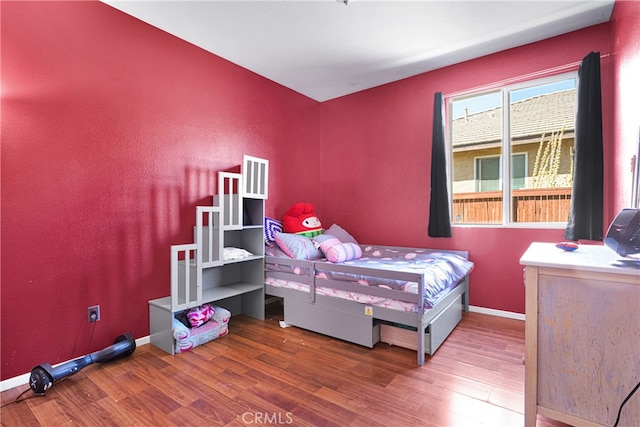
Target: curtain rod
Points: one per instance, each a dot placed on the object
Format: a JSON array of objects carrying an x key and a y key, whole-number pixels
[{"x": 537, "y": 74}]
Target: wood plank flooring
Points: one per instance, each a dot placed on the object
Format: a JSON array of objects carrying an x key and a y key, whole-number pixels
[{"x": 261, "y": 374}]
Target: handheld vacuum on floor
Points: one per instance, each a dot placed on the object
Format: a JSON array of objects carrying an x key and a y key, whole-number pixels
[{"x": 44, "y": 376}]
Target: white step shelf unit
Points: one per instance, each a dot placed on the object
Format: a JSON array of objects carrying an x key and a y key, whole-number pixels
[{"x": 199, "y": 273}]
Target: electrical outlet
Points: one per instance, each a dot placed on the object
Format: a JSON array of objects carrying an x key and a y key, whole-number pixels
[{"x": 93, "y": 313}]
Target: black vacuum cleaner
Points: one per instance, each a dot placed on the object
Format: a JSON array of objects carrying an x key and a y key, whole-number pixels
[{"x": 44, "y": 376}]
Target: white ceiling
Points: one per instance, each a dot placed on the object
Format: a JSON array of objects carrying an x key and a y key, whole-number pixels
[{"x": 325, "y": 49}]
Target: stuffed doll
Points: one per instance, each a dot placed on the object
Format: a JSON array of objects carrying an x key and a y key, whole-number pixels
[{"x": 301, "y": 219}]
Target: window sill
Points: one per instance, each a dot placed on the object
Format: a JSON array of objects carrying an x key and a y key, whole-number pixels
[{"x": 522, "y": 225}]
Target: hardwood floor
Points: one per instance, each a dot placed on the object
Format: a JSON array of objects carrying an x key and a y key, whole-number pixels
[{"x": 261, "y": 374}]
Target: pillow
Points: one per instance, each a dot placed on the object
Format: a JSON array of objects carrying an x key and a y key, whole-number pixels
[
  {"x": 297, "y": 247},
  {"x": 343, "y": 252},
  {"x": 231, "y": 254},
  {"x": 335, "y": 250},
  {"x": 271, "y": 227},
  {"x": 200, "y": 315},
  {"x": 325, "y": 241},
  {"x": 321, "y": 238},
  {"x": 341, "y": 234}
]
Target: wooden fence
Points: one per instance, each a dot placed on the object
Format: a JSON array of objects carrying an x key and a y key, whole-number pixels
[{"x": 528, "y": 205}]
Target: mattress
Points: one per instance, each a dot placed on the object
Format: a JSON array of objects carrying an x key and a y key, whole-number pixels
[{"x": 442, "y": 271}]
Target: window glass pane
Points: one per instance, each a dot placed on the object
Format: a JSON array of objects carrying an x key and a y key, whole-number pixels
[
  {"x": 518, "y": 170},
  {"x": 476, "y": 142},
  {"x": 537, "y": 129},
  {"x": 488, "y": 174},
  {"x": 542, "y": 121}
]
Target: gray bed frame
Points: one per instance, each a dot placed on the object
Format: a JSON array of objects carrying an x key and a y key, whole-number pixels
[{"x": 360, "y": 323}]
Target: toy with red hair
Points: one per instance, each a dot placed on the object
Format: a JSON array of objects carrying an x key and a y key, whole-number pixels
[{"x": 301, "y": 219}]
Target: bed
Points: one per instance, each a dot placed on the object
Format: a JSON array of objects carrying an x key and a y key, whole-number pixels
[{"x": 387, "y": 288}]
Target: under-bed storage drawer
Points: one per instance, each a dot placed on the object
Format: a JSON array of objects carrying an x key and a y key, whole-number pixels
[
  {"x": 438, "y": 330},
  {"x": 402, "y": 337},
  {"x": 349, "y": 326}
]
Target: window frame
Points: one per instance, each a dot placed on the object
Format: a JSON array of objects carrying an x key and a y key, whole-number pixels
[{"x": 506, "y": 152}]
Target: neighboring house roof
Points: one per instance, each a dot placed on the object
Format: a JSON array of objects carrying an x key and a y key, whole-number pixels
[{"x": 531, "y": 117}]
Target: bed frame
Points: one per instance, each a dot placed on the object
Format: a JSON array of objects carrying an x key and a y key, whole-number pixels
[{"x": 360, "y": 323}]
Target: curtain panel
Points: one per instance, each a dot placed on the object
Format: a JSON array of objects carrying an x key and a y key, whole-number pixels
[
  {"x": 585, "y": 215},
  {"x": 439, "y": 218}
]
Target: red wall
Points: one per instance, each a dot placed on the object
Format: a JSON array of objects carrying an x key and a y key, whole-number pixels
[
  {"x": 376, "y": 161},
  {"x": 112, "y": 133}
]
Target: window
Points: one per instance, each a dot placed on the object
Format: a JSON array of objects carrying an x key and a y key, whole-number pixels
[
  {"x": 535, "y": 132},
  {"x": 487, "y": 177},
  {"x": 488, "y": 172},
  {"x": 518, "y": 170}
]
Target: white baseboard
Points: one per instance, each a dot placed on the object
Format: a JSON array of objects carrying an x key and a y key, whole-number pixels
[
  {"x": 14, "y": 382},
  {"x": 499, "y": 313},
  {"x": 24, "y": 378},
  {"x": 143, "y": 341}
]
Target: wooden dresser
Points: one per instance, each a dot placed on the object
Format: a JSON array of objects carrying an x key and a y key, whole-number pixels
[{"x": 582, "y": 334}]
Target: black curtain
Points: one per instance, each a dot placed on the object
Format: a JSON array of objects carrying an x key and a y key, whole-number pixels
[
  {"x": 585, "y": 216},
  {"x": 439, "y": 219}
]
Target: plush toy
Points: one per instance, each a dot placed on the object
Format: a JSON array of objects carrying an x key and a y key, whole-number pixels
[
  {"x": 336, "y": 251},
  {"x": 301, "y": 219}
]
